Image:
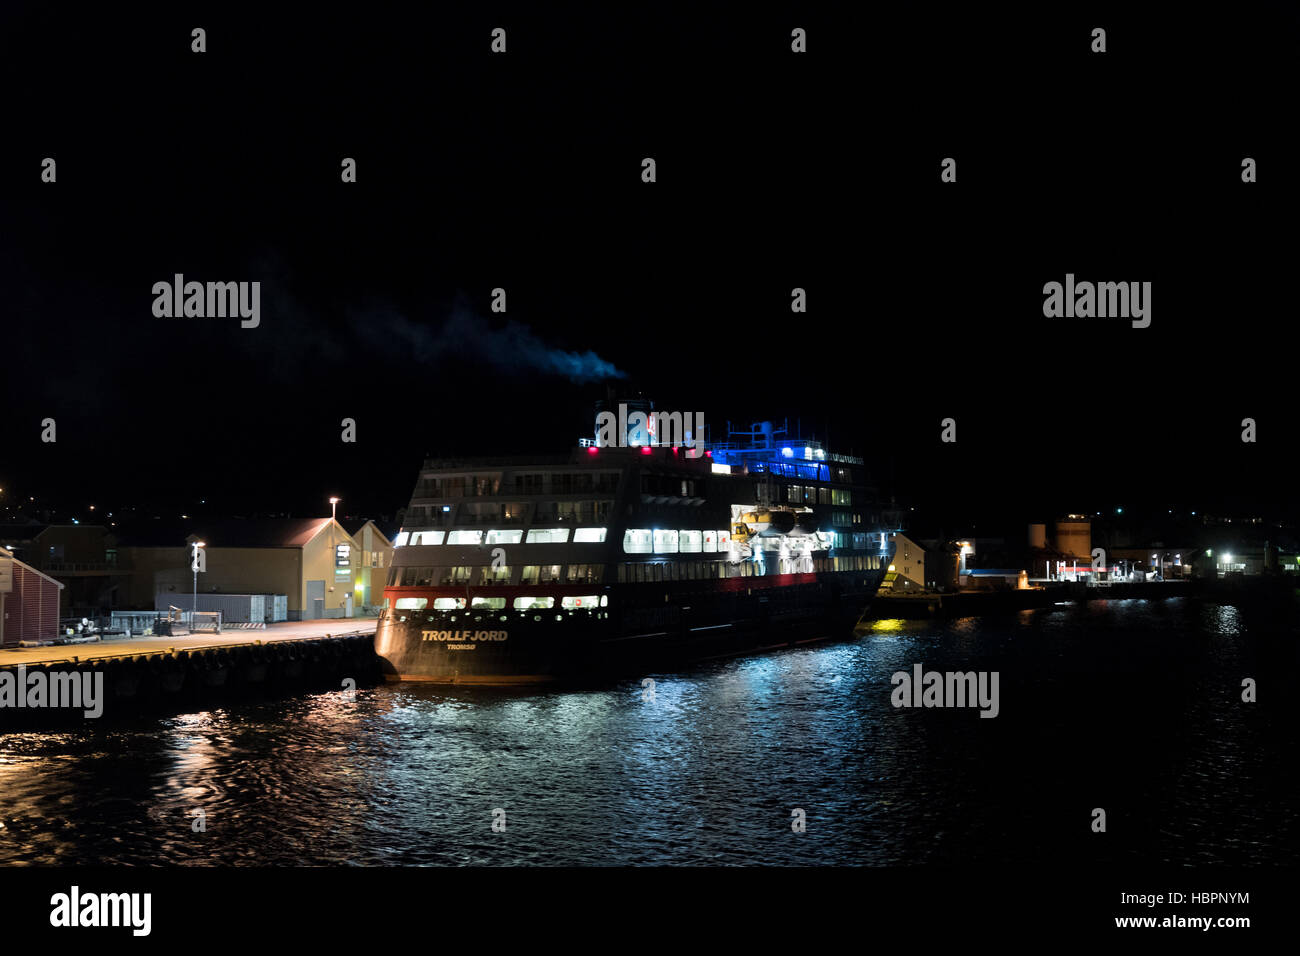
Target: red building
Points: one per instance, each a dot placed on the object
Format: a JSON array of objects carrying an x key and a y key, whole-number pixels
[{"x": 29, "y": 603}]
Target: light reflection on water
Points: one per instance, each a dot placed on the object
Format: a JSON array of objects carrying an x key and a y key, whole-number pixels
[{"x": 1129, "y": 705}]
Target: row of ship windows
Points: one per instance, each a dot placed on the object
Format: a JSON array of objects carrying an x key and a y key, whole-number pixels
[
  {"x": 670, "y": 541},
  {"x": 504, "y": 536},
  {"x": 512, "y": 512},
  {"x": 488, "y": 576},
  {"x": 635, "y": 540},
  {"x": 700, "y": 570},
  {"x": 554, "y": 483},
  {"x": 813, "y": 495},
  {"x": 568, "y": 602}
]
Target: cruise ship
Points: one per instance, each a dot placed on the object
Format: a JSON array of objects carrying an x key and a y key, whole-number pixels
[{"x": 629, "y": 553}]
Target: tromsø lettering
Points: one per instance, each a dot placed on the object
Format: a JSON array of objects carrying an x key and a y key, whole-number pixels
[
  {"x": 210, "y": 300},
  {"x": 1100, "y": 300}
]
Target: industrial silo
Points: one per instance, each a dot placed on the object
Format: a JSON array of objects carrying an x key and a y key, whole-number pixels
[{"x": 1074, "y": 537}]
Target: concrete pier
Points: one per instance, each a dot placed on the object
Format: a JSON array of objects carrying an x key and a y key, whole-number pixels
[{"x": 119, "y": 679}]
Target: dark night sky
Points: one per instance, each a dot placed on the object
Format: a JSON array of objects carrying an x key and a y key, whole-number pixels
[{"x": 522, "y": 171}]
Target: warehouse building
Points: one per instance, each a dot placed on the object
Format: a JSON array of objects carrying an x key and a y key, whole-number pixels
[{"x": 29, "y": 602}]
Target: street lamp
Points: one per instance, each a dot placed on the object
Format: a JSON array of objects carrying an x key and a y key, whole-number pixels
[{"x": 194, "y": 566}]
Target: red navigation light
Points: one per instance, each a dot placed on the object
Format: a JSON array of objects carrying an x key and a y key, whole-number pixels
[
  {"x": 591, "y": 449},
  {"x": 675, "y": 449},
  {"x": 708, "y": 454},
  {"x": 645, "y": 450}
]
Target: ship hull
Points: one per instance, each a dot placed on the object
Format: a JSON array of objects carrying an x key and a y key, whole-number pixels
[{"x": 640, "y": 627}]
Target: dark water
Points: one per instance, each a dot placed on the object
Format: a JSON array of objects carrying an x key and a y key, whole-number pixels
[{"x": 1131, "y": 706}]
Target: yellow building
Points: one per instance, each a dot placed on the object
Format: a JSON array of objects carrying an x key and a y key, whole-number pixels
[
  {"x": 906, "y": 565},
  {"x": 321, "y": 569}
]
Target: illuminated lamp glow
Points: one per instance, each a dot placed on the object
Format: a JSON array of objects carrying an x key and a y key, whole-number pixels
[
  {"x": 708, "y": 454},
  {"x": 645, "y": 450},
  {"x": 591, "y": 450}
]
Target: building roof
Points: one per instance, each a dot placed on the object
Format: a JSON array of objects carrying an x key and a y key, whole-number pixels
[
  {"x": 229, "y": 533},
  {"x": 21, "y": 532},
  {"x": 9, "y": 556},
  {"x": 353, "y": 527}
]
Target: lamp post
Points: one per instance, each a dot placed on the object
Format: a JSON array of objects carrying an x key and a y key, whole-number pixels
[
  {"x": 194, "y": 566},
  {"x": 334, "y": 548}
]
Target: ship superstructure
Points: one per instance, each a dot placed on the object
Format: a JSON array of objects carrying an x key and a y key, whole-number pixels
[{"x": 623, "y": 555}]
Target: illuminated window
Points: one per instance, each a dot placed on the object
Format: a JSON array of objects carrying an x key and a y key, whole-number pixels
[
  {"x": 426, "y": 537},
  {"x": 448, "y": 604},
  {"x": 494, "y": 575},
  {"x": 504, "y": 537},
  {"x": 638, "y": 541},
  {"x": 540, "y": 574},
  {"x": 589, "y": 536},
  {"x": 400, "y": 540},
  {"x": 411, "y": 604},
  {"x": 548, "y": 536},
  {"x": 528, "y": 603},
  {"x": 583, "y": 573},
  {"x": 690, "y": 541},
  {"x": 465, "y": 537},
  {"x": 710, "y": 541},
  {"x": 665, "y": 541},
  {"x": 496, "y": 603},
  {"x": 571, "y": 602}
]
